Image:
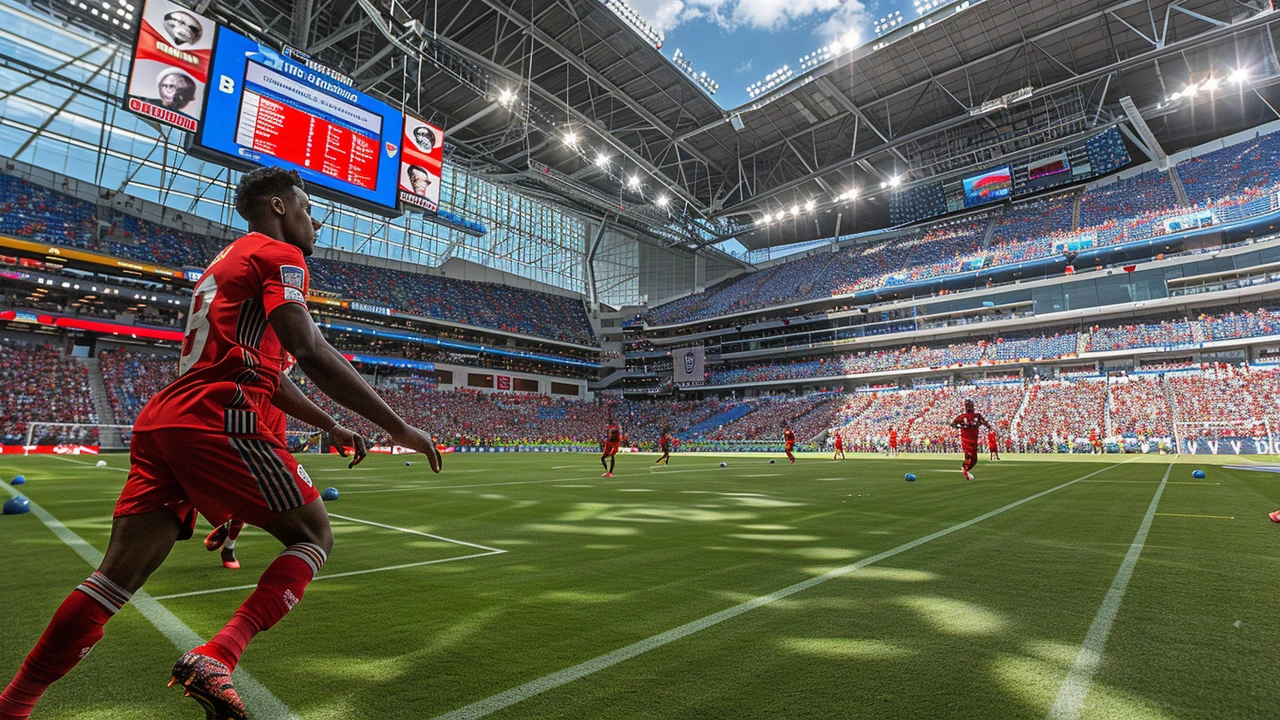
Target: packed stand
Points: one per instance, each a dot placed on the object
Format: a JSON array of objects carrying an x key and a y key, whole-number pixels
[
  {"x": 488, "y": 305},
  {"x": 1250, "y": 168},
  {"x": 1140, "y": 408},
  {"x": 1060, "y": 413},
  {"x": 41, "y": 386},
  {"x": 806, "y": 415},
  {"x": 1127, "y": 198},
  {"x": 133, "y": 377},
  {"x": 996, "y": 402},
  {"x": 1125, "y": 337},
  {"x": 1242, "y": 400}
]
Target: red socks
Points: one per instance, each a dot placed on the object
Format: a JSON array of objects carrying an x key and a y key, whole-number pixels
[
  {"x": 279, "y": 589},
  {"x": 75, "y": 628}
]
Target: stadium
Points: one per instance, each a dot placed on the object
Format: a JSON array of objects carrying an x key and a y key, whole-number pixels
[{"x": 933, "y": 374}]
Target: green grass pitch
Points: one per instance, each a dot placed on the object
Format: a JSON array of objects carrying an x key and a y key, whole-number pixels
[{"x": 447, "y": 590}]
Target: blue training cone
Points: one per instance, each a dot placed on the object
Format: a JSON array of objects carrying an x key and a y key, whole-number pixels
[
  {"x": 17, "y": 505},
  {"x": 910, "y": 477},
  {"x": 330, "y": 494},
  {"x": 1197, "y": 474},
  {"x": 19, "y": 480}
]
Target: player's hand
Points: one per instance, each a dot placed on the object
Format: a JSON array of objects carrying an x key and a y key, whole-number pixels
[
  {"x": 415, "y": 439},
  {"x": 344, "y": 437}
]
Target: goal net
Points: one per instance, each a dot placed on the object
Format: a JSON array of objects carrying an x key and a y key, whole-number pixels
[
  {"x": 300, "y": 441},
  {"x": 110, "y": 437},
  {"x": 1233, "y": 437}
]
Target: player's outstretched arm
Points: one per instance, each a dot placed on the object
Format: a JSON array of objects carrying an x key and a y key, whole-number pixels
[
  {"x": 294, "y": 403},
  {"x": 336, "y": 378}
]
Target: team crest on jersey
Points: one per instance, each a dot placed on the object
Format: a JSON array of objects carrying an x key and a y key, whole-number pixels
[
  {"x": 305, "y": 477},
  {"x": 688, "y": 363},
  {"x": 294, "y": 294},
  {"x": 292, "y": 275}
]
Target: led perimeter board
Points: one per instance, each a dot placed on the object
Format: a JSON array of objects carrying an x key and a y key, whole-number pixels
[{"x": 263, "y": 108}]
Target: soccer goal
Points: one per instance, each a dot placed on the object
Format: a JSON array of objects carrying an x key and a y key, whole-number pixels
[
  {"x": 110, "y": 437},
  {"x": 1232, "y": 437},
  {"x": 300, "y": 441}
]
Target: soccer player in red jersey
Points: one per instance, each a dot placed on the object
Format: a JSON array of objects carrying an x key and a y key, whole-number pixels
[
  {"x": 612, "y": 440},
  {"x": 789, "y": 438},
  {"x": 225, "y": 535},
  {"x": 993, "y": 445},
  {"x": 893, "y": 442},
  {"x": 198, "y": 446},
  {"x": 968, "y": 423},
  {"x": 664, "y": 444},
  {"x": 839, "y": 452}
]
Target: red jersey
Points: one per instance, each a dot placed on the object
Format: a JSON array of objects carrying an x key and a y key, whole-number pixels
[
  {"x": 968, "y": 424},
  {"x": 613, "y": 434},
  {"x": 231, "y": 358},
  {"x": 893, "y": 438},
  {"x": 839, "y": 443},
  {"x": 992, "y": 443},
  {"x": 789, "y": 436}
]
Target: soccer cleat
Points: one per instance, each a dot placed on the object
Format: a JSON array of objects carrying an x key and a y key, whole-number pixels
[
  {"x": 608, "y": 474},
  {"x": 1275, "y": 516},
  {"x": 208, "y": 682},
  {"x": 968, "y": 475},
  {"x": 230, "y": 562},
  {"x": 215, "y": 539}
]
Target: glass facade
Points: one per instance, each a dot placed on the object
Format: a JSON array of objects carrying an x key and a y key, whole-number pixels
[{"x": 80, "y": 130}]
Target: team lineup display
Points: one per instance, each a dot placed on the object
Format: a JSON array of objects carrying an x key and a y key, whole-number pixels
[{"x": 266, "y": 109}]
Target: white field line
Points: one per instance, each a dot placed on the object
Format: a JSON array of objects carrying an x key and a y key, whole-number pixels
[
  {"x": 332, "y": 576},
  {"x": 521, "y": 693},
  {"x": 256, "y": 696},
  {"x": 1075, "y": 689},
  {"x": 520, "y": 482}
]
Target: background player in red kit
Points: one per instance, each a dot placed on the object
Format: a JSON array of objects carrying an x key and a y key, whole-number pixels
[
  {"x": 839, "y": 449},
  {"x": 893, "y": 442},
  {"x": 664, "y": 444},
  {"x": 612, "y": 440},
  {"x": 968, "y": 423},
  {"x": 993, "y": 445},
  {"x": 789, "y": 438},
  {"x": 198, "y": 446}
]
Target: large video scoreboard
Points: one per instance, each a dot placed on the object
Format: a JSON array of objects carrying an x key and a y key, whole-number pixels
[{"x": 248, "y": 105}]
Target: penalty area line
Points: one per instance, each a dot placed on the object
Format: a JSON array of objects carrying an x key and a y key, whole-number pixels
[
  {"x": 1075, "y": 688},
  {"x": 256, "y": 696},
  {"x": 520, "y": 693}
]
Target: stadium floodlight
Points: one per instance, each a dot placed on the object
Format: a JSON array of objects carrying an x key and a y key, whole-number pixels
[
  {"x": 506, "y": 97},
  {"x": 1190, "y": 90},
  {"x": 809, "y": 206},
  {"x": 1239, "y": 76},
  {"x": 1211, "y": 84},
  {"x": 633, "y": 182},
  {"x": 795, "y": 210},
  {"x": 602, "y": 161},
  {"x": 663, "y": 200},
  {"x": 571, "y": 139},
  {"x": 895, "y": 181}
]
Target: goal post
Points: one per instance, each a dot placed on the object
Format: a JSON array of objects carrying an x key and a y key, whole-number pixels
[
  {"x": 111, "y": 437},
  {"x": 1252, "y": 436}
]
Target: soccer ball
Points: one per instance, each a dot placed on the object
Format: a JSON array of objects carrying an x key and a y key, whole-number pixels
[
  {"x": 102, "y": 463},
  {"x": 724, "y": 464},
  {"x": 407, "y": 464},
  {"x": 770, "y": 462},
  {"x": 910, "y": 477},
  {"x": 330, "y": 494},
  {"x": 17, "y": 505},
  {"x": 1197, "y": 474}
]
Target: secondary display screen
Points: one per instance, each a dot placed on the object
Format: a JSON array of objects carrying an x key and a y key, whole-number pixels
[
  {"x": 421, "y": 158},
  {"x": 170, "y": 70},
  {"x": 988, "y": 187},
  {"x": 265, "y": 109}
]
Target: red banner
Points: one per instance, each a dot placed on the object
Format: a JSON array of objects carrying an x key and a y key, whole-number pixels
[{"x": 48, "y": 449}]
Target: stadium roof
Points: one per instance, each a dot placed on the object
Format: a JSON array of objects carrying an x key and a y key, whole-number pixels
[{"x": 509, "y": 80}]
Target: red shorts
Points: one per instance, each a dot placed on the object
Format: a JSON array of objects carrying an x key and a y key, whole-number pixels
[
  {"x": 611, "y": 448},
  {"x": 791, "y": 446},
  {"x": 253, "y": 479},
  {"x": 992, "y": 447},
  {"x": 893, "y": 445}
]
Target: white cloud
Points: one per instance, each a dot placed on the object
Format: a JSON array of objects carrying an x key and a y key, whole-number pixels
[
  {"x": 744, "y": 67},
  {"x": 835, "y": 18}
]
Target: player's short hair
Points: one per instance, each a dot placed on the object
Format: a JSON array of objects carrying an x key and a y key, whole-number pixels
[{"x": 257, "y": 187}]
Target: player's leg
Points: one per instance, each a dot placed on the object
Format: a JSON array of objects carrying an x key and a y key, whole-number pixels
[
  {"x": 604, "y": 459},
  {"x": 229, "y": 561},
  {"x": 138, "y": 545},
  {"x": 613, "y": 459}
]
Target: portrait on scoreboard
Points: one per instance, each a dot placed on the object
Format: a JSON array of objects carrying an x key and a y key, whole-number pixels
[
  {"x": 421, "y": 158},
  {"x": 171, "y": 61}
]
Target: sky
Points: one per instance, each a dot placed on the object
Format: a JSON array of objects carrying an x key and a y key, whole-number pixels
[{"x": 740, "y": 42}]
